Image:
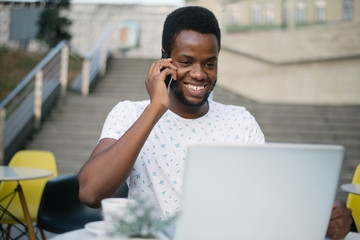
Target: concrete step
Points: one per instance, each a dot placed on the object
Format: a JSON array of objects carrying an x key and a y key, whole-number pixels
[
  {"x": 64, "y": 125},
  {"x": 319, "y": 134},
  {"x": 69, "y": 146},
  {"x": 79, "y": 117},
  {"x": 348, "y": 144},
  {"x": 80, "y": 135},
  {"x": 276, "y": 116},
  {"x": 299, "y": 126}
]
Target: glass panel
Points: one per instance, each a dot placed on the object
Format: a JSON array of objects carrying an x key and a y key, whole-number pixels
[
  {"x": 320, "y": 10},
  {"x": 348, "y": 9},
  {"x": 269, "y": 13},
  {"x": 300, "y": 12},
  {"x": 256, "y": 13}
]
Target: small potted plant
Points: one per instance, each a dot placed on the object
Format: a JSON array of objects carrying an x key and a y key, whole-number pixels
[{"x": 141, "y": 220}]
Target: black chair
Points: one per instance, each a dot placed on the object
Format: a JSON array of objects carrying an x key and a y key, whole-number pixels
[{"x": 60, "y": 208}]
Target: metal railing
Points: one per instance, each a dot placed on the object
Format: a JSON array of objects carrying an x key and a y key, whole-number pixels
[
  {"x": 25, "y": 103},
  {"x": 94, "y": 63}
]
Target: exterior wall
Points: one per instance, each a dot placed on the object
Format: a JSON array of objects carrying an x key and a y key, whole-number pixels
[
  {"x": 334, "y": 10},
  {"x": 356, "y": 10},
  {"x": 245, "y": 15},
  {"x": 243, "y": 11},
  {"x": 310, "y": 12},
  {"x": 4, "y": 24},
  {"x": 90, "y": 21},
  {"x": 5, "y": 18}
]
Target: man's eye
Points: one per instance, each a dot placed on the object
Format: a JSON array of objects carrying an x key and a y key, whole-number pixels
[
  {"x": 210, "y": 65},
  {"x": 185, "y": 63}
]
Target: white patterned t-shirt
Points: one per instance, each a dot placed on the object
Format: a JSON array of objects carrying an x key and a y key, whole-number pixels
[{"x": 158, "y": 170}]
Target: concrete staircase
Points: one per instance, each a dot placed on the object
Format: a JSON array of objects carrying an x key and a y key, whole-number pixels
[{"x": 74, "y": 126}]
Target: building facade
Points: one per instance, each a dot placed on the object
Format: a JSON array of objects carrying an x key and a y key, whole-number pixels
[
  {"x": 90, "y": 20},
  {"x": 285, "y": 12}
]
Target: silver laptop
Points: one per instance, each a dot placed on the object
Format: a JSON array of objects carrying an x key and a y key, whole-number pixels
[{"x": 259, "y": 192}]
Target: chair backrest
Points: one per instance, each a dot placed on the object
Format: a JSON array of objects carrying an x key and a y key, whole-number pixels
[
  {"x": 353, "y": 201},
  {"x": 33, "y": 189},
  {"x": 60, "y": 208}
]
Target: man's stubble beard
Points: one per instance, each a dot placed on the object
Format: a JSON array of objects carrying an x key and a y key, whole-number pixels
[{"x": 180, "y": 95}]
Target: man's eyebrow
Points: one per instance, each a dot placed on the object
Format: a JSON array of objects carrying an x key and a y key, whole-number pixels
[
  {"x": 213, "y": 58},
  {"x": 186, "y": 56}
]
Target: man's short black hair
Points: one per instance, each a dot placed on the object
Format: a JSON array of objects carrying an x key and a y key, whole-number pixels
[{"x": 194, "y": 18}]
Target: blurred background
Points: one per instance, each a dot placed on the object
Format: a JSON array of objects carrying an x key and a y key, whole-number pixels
[
  {"x": 295, "y": 64},
  {"x": 311, "y": 46}
]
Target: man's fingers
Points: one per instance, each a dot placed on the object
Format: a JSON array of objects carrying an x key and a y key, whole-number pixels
[
  {"x": 336, "y": 234},
  {"x": 339, "y": 209},
  {"x": 168, "y": 71},
  {"x": 340, "y": 222},
  {"x": 336, "y": 213},
  {"x": 160, "y": 65}
]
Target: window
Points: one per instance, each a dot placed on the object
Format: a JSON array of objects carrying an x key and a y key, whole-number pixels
[
  {"x": 256, "y": 13},
  {"x": 235, "y": 14},
  {"x": 320, "y": 10},
  {"x": 269, "y": 13},
  {"x": 300, "y": 12},
  {"x": 348, "y": 10}
]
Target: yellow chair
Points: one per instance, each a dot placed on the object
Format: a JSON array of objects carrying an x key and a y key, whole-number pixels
[
  {"x": 32, "y": 189},
  {"x": 353, "y": 201}
]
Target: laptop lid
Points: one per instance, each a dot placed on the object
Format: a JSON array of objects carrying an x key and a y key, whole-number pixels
[{"x": 269, "y": 191}]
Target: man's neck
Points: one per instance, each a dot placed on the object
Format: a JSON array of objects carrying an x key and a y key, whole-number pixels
[{"x": 189, "y": 112}]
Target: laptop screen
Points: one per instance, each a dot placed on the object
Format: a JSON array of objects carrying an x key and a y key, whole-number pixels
[{"x": 269, "y": 191}]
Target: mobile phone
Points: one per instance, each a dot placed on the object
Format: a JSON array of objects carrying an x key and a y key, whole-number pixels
[{"x": 168, "y": 78}]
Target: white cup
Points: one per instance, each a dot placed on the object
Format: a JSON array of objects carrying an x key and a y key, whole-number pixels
[{"x": 113, "y": 209}]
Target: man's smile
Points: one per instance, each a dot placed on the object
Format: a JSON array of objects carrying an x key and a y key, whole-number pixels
[{"x": 194, "y": 87}]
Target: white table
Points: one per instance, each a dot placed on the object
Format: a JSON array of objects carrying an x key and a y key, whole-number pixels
[
  {"x": 76, "y": 234},
  {"x": 21, "y": 174},
  {"x": 351, "y": 188},
  {"x": 97, "y": 232},
  {"x": 83, "y": 234}
]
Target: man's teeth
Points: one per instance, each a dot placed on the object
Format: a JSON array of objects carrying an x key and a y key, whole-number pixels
[{"x": 197, "y": 88}]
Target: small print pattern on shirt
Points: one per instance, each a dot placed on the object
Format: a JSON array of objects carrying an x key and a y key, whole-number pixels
[{"x": 158, "y": 170}]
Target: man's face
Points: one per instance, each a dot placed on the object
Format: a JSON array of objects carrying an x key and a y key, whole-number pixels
[{"x": 195, "y": 55}]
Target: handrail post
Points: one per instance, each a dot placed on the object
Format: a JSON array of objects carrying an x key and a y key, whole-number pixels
[
  {"x": 85, "y": 77},
  {"x": 64, "y": 69},
  {"x": 38, "y": 99},
  {"x": 103, "y": 62},
  {"x": 2, "y": 134}
]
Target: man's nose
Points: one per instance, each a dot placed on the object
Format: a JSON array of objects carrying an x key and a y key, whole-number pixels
[{"x": 197, "y": 72}]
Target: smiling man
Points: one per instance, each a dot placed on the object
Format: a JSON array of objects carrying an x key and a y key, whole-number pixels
[{"x": 144, "y": 143}]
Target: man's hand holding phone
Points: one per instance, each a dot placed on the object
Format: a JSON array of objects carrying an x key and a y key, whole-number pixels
[{"x": 155, "y": 81}]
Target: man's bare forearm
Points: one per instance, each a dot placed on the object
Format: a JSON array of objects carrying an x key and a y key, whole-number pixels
[{"x": 112, "y": 160}]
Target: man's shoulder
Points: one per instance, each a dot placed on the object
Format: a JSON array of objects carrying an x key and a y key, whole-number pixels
[
  {"x": 133, "y": 104},
  {"x": 216, "y": 106}
]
